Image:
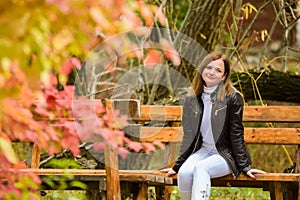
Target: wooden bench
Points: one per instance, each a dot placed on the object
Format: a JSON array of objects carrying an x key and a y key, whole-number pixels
[
  {"x": 171, "y": 134},
  {"x": 113, "y": 180}
]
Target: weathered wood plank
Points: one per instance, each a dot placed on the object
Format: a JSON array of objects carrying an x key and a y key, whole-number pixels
[
  {"x": 143, "y": 192},
  {"x": 277, "y": 191},
  {"x": 149, "y": 175},
  {"x": 297, "y": 170},
  {"x": 251, "y": 113},
  {"x": 252, "y": 135},
  {"x": 35, "y": 156},
  {"x": 130, "y": 107},
  {"x": 112, "y": 174},
  {"x": 113, "y": 190}
]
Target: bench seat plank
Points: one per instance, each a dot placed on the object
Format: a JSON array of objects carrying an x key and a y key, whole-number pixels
[
  {"x": 147, "y": 175},
  {"x": 93, "y": 175}
]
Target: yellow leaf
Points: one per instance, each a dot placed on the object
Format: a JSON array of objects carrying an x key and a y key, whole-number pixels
[
  {"x": 62, "y": 39},
  {"x": 7, "y": 150},
  {"x": 247, "y": 8},
  {"x": 246, "y": 13},
  {"x": 252, "y": 7},
  {"x": 262, "y": 35},
  {"x": 203, "y": 36}
]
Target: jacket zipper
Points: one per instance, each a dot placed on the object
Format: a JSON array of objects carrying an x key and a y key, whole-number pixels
[
  {"x": 198, "y": 131},
  {"x": 232, "y": 173},
  {"x": 196, "y": 144},
  {"x": 216, "y": 111}
]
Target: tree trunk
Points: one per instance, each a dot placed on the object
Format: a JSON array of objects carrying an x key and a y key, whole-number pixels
[
  {"x": 272, "y": 85},
  {"x": 203, "y": 23}
]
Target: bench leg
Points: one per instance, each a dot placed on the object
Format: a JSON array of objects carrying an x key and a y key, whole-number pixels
[
  {"x": 95, "y": 195},
  {"x": 291, "y": 191},
  {"x": 34, "y": 157},
  {"x": 297, "y": 193},
  {"x": 275, "y": 189},
  {"x": 143, "y": 192},
  {"x": 168, "y": 192},
  {"x": 159, "y": 193}
]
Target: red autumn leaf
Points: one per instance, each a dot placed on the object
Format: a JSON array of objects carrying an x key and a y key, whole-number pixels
[
  {"x": 159, "y": 14},
  {"x": 98, "y": 17},
  {"x": 75, "y": 150},
  {"x": 146, "y": 14},
  {"x": 42, "y": 111},
  {"x": 76, "y": 63},
  {"x": 67, "y": 67},
  {"x": 123, "y": 152},
  {"x": 31, "y": 135},
  {"x": 50, "y": 100},
  {"x": 62, "y": 5},
  {"x": 53, "y": 80},
  {"x": 117, "y": 137},
  {"x": 121, "y": 121},
  {"x": 148, "y": 147},
  {"x": 170, "y": 52},
  {"x": 51, "y": 134},
  {"x": 153, "y": 58},
  {"x": 69, "y": 64},
  {"x": 136, "y": 146},
  {"x": 99, "y": 146},
  {"x": 110, "y": 68},
  {"x": 159, "y": 144},
  {"x": 52, "y": 150},
  {"x": 82, "y": 108},
  {"x": 99, "y": 107},
  {"x": 130, "y": 19},
  {"x": 84, "y": 132},
  {"x": 20, "y": 165}
]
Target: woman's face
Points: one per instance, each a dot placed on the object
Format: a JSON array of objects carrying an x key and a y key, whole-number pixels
[{"x": 213, "y": 73}]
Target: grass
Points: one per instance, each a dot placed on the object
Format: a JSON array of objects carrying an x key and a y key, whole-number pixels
[
  {"x": 234, "y": 193},
  {"x": 239, "y": 194},
  {"x": 64, "y": 195}
]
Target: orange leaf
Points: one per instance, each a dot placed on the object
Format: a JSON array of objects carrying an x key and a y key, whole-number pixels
[{"x": 153, "y": 58}]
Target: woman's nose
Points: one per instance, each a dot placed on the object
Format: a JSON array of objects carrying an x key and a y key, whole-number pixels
[{"x": 211, "y": 72}]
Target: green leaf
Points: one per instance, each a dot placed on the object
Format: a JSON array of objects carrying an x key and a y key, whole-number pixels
[{"x": 78, "y": 184}]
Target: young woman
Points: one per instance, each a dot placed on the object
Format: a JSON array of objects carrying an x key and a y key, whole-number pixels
[{"x": 213, "y": 142}]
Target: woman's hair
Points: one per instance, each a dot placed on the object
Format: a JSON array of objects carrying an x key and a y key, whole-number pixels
[{"x": 198, "y": 83}]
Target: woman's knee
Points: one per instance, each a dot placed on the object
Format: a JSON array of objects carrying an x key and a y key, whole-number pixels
[{"x": 185, "y": 174}]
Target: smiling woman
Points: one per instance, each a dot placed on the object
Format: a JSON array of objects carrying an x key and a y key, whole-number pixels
[
  {"x": 213, "y": 73},
  {"x": 213, "y": 142}
]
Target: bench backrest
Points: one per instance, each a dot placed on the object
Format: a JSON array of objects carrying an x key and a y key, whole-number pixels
[{"x": 263, "y": 124}]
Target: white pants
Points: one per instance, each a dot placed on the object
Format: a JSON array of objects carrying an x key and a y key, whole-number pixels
[{"x": 195, "y": 174}]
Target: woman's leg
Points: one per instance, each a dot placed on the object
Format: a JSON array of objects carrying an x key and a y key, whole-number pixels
[
  {"x": 211, "y": 167},
  {"x": 186, "y": 173}
]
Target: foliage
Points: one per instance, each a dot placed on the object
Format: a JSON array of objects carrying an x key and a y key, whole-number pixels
[{"x": 41, "y": 44}]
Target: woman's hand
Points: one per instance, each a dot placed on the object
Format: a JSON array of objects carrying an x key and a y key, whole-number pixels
[
  {"x": 251, "y": 173},
  {"x": 169, "y": 171}
]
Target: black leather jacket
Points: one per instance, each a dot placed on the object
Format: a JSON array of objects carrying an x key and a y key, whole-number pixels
[{"x": 227, "y": 128}]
